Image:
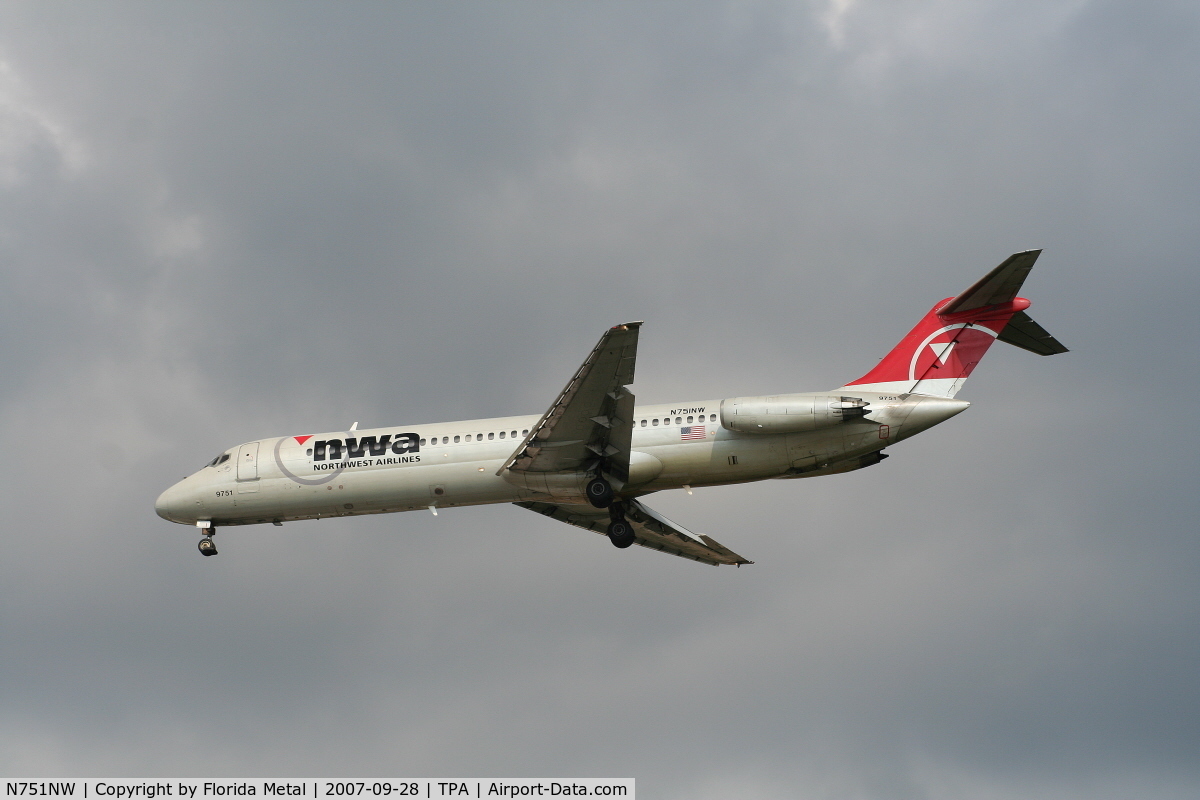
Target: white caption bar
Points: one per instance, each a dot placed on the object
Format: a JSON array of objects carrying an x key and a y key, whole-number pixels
[{"x": 124, "y": 789}]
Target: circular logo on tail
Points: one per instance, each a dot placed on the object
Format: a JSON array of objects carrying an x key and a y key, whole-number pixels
[{"x": 950, "y": 352}]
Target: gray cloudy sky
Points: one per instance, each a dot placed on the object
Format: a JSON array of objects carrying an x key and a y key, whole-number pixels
[{"x": 225, "y": 221}]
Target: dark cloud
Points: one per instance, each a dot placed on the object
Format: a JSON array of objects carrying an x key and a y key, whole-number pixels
[{"x": 220, "y": 222}]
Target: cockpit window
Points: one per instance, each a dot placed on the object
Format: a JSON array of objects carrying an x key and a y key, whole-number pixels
[{"x": 221, "y": 459}]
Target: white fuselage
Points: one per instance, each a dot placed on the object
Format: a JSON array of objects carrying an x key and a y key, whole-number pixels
[{"x": 442, "y": 465}]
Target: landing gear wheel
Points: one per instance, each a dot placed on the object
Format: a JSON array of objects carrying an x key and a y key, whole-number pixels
[
  {"x": 620, "y": 533},
  {"x": 599, "y": 493},
  {"x": 207, "y": 547}
]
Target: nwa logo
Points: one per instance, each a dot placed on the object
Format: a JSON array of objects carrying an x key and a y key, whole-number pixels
[
  {"x": 951, "y": 352},
  {"x": 336, "y": 449}
]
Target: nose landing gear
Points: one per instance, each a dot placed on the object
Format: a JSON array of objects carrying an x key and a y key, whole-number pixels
[{"x": 206, "y": 546}]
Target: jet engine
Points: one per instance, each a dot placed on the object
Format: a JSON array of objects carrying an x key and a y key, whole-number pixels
[{"x": 789, "y": 413}]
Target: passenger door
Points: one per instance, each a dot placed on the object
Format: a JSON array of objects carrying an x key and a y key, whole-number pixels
[{"x": 247, "y": 468}]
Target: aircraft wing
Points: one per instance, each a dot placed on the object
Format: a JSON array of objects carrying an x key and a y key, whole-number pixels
[
  {"x": 591, "y": 421},
  {"x": 652, "y": 529}
]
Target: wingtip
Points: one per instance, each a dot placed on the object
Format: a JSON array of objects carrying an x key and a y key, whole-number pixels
[{"x": 1031, "y": 256}]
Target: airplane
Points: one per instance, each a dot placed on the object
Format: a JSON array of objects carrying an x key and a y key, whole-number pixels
[{"x": 593, "y": 456}]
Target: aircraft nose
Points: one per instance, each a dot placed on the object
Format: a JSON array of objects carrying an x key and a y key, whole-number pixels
[{"x": 172, "y": 504}]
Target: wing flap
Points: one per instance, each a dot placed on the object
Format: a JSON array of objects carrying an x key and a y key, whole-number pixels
[{"x": 653, "y": 531}]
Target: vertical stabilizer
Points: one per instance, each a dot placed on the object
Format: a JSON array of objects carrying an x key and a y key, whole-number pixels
[{"x": 939, "y": 354}]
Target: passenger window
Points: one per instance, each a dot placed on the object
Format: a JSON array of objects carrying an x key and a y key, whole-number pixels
[
  {"x": 643, "y": 423},
  {"x": 501, "y": 434},
  {"x": 712, "y": 417},
  {"x": 525, "y": 432},
  {"x": 491, "y": 436},
  {"x": 513, "y": 434},
  {"x": 309, "y": 451},
  {"x": 456, "y": 440},
  {"x": 421, "y": 443},
  {"x": 678, "y": 421},
  {"x": 479, "y": 437},
  {"x": 689, "y": 420},
  {"x": 654, "y": 422}
]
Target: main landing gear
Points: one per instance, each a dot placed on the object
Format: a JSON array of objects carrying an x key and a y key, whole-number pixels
[
  {"x": 599, "y": 493},
  {"x": 206, "y": 545},
  {"x": 620, "y": 532}
]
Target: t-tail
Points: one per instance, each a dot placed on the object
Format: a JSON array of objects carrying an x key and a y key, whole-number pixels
[{"x": 939, "y": 354}]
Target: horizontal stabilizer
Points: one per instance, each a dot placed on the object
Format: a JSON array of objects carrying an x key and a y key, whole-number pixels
[
  {"x": 1021, "y": 331},
  {"x": 998, "y": 286}
]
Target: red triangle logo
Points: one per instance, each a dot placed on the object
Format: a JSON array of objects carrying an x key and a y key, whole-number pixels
[{"x": 302, "y": 439}]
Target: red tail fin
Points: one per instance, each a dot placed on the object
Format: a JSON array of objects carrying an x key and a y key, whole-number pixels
[{"x": 940, "y": 353}]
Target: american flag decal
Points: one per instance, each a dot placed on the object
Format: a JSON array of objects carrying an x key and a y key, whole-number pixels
[{"x": 692, "y": 432}]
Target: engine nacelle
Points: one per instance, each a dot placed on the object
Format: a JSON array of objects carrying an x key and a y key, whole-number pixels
[{"x": 789, "y": 413}]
